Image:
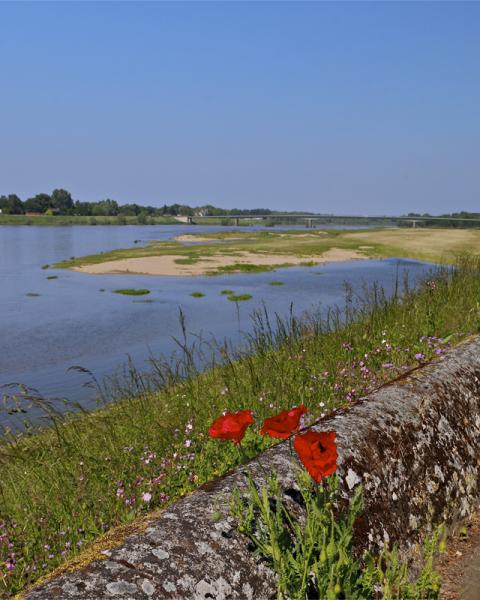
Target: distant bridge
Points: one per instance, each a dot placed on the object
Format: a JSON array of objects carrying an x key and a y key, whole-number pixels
[{"x": 310, "y": 219}]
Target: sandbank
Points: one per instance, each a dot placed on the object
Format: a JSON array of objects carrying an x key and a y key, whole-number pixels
[{"x": 166, "y": 265}]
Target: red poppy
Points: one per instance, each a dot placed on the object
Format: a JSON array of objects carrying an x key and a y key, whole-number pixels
[
  {"x": 283, "y": 425},
  {"x": 318, "y": 452},
  {"x": 232, "y": 426}
]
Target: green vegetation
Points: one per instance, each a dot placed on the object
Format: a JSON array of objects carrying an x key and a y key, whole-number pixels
[
  {"x": 45, "y": 267},
  {"x": 462, "y": 219},
  {"x": 227, "y": 292},
  {"x": 246, "y": 268},
  {"x": 276, "y": 283},
  {"x": 239, "y": 297},
  {"x": 62, "y": 220},
  {"x": 52, "y": 277},
  {"x": 131, "y": 292},
  {"x": 32, "y": 295},
  {"x": 314, "y": 558},
  {"x": 197, "y": 295},
  {"x": 191, "y": 260},
  {"x": 61, "y": 203},
  {"x": 63, "y": 487}
]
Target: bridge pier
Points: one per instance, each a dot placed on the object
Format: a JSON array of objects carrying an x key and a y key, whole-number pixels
[
  {"x": 309, "y": 223},
  {"x": 237, "y": 221},
  {"x": 190, "y": 220}
]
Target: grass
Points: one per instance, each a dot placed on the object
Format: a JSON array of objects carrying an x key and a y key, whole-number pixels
[
  {"x": 44, "y": 267},
  {"x": 52, "y": 277},
  {"x": 132, "y": 292},
  {"x": 32, "y": 295},
  {"x": 227, "y": 292},
  {"x": 276, "y": 283},
  {"x": 62, "y": 220},
  {"x": 197, "y": 295},
  {"x": 434, "y": 245},
  {"x": 239, "y": 297},
  {"x": 64, "y": 487}
]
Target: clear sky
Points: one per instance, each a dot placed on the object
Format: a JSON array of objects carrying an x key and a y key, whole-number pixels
[{"x": 364, "y": 108}]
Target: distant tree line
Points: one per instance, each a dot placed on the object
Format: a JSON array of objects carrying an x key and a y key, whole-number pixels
[
  {"x": 451, "y": 220},
  {"x": 60, "y": 202}
]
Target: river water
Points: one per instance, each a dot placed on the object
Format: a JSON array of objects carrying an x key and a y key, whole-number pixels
[{"x": 71, "y": 322}]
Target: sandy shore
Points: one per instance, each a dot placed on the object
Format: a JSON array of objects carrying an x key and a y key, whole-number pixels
[
  {"x": 166, "y": 265},
  {"x": 204, "y": 239}
]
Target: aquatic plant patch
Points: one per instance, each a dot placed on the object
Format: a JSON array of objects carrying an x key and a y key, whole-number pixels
[
  {"x": 132, "y": 292},
  {"x": 246, "y": 268},
  {"x": 239, "y": 297}
]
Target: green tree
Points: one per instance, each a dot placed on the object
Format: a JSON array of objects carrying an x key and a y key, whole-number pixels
[
  {"x": 11, "y": 205},
  {"x": 62, "y": 200},
  {"x": 83, "y": 208},
  {"x": 39, "y": 203},
  {"x": 129, "y": 210},
  {"x": 106, "y": 208}
]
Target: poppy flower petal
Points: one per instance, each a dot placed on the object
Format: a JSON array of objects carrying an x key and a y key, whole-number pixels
[{"x": 317, "y": 452}]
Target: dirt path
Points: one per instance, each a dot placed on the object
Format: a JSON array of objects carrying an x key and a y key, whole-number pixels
[{"x": 459, "y": 567}]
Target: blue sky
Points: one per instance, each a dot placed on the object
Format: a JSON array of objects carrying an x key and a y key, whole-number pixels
[{"x": 363, "y": 108}]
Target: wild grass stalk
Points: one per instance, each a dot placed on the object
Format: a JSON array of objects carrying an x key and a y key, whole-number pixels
[{"x": 87, "y": 472}]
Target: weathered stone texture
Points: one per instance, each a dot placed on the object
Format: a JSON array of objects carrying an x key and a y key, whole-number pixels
[{"x": 415, "y": 446}]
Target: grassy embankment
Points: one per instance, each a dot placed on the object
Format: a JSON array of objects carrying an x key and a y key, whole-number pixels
[
  {"x": 434, "y": 245},
  {"x": 65, "y": 487},
  {"x": 59, "y": 220}
]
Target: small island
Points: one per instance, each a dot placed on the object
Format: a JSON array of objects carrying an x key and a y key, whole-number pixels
[{"x": 260, "y": 251}]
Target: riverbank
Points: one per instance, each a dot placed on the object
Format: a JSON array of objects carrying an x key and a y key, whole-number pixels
[
  {"x": 63, "y": 220},
  {"x": 252, "y": 251},
  {"x": 65, "y": 487}
]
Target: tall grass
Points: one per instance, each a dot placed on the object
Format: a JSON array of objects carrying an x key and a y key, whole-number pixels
[{"x": 88, "y": 472}]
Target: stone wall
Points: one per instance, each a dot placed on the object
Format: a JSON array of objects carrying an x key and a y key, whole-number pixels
[{"x": 415, "y": 446}]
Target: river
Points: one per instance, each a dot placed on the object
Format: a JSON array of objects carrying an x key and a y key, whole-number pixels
[{"x": 71, "y": 322}]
